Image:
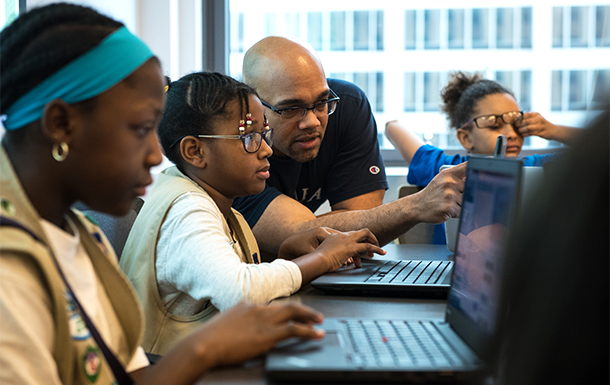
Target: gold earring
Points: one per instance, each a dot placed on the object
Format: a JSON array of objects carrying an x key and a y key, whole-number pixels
[{"x": 60, "y": 156}]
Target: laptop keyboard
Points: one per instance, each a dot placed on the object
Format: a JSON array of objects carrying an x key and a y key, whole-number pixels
[
  {"x": 428, "y": 272},
  {"x": 399, "y": 344}
]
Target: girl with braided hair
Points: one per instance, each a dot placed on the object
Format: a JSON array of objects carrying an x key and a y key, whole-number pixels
[
  {"x": 189, "y": 253},
  {"x": 81, "y": 98}
]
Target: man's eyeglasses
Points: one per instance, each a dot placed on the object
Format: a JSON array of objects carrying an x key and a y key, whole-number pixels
[
  {"x": 252, "y": 140},
  {"x": 491, "y": 121},
  {"x": 320, "y": 109}
]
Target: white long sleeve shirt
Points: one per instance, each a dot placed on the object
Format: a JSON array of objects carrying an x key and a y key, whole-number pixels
[{"x": 195, "y": 256}]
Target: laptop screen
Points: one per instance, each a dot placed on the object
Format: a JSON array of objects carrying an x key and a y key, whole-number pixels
[{"x": 488, "y": 206}]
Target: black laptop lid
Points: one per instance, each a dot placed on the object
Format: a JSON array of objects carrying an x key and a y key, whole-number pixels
[{"x": 488, "y": 209}]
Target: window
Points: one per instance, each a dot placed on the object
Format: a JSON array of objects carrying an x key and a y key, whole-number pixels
[
  {"x": 337, "y": 31},
  {"x": 410, "y": 29},
  {"x": 456, "y": 29},
  {"x": 525, "y": 90},
  {"x": 601, "y": 91},
  {"x": 504, "y": 28},
  {"x": 314, "y": 29},
  {"x": 526, "y": 27},
  {"x": 361, "y": 30},
  {"x": 292, "y": 23},
  {"x": 409, "y": 92},
  {"x": 578, "y": 90},
  {"x": 432, "y": 88},
  {"x": 480, "y": 28},
  {"x": 602, "y": 26},
  {"x": 556, "y": 90},
  {"x": 10, "y": 12},
  {"x": 578, "y": 27},
  {"x": 557, "y": 27},
  {"x": 432, "y": 22}
]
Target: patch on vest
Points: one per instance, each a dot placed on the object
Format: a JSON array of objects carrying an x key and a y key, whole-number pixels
[
  {"x": 92, "y": 363},
  {"x": 7, "y": 208},
  {"x": 78, "y": 328},
  {"x": 374, "y": 170}
]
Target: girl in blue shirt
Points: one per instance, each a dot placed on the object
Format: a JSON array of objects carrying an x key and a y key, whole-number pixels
[{"x": 479, "y": 110}]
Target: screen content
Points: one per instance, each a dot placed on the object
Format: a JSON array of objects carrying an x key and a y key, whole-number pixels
[{"x": 486, "y": 212}]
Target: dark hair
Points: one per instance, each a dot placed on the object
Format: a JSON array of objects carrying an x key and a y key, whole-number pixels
[
  {"x": 553, "y": 324},
  {"x": 463, "y": 92},
  {"x": 42, "y": 41},
  {"x": 194, "y": 103}
]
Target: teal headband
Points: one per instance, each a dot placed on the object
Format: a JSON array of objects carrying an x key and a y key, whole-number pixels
[{"x": 92, "y": 73}]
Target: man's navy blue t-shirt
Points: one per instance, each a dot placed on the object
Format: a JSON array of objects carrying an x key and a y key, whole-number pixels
[{"x": 348, "y": 165}]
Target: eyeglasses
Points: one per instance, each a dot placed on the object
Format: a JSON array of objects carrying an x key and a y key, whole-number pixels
[
  {"x": 491, "y": 121},
  {"x": 252, "y": 140},
  {"x": 320, "y": 109}
]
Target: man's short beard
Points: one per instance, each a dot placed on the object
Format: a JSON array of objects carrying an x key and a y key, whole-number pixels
[{"x": 303, "y": 157}]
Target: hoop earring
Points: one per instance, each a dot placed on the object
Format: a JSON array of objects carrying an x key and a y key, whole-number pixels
[{"x": 60, "y": 157}]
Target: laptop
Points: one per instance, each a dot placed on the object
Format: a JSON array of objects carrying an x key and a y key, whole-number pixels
[
  {"x": 531, "y": 179},
  {"x": 405, "y": 278},
  {"x": 401, "y": 350}
]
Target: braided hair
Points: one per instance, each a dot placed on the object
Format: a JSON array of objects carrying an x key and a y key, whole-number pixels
[
  {"x": 42, "y": 41},
  {"x": 194, "y": 104},
  {"x": 462, "y": 93}
]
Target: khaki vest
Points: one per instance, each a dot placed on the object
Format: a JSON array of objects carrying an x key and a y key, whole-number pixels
[
  {"x": 72, "y": 351},
  {"x": 163, "y": 328}
]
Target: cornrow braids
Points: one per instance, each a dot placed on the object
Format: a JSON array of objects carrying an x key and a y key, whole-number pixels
[
  {"x": 462, "y": 93},
  {"x": 42, "y": 41},
  {"x": 194, "y": 104}
]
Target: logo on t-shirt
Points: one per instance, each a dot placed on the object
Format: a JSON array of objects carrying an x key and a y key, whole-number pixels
[{"x": 374, "y": 170}]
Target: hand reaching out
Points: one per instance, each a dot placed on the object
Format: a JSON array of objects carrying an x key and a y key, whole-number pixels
[{"x": 442, "y": 198}]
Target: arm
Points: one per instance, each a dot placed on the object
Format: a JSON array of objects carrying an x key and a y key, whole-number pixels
[
  {"x": 534, "y": 124},
  {"x": 243, "y": 332},
  {"x": 405, "y": 141},
  {"x": 440, "y": 200}
]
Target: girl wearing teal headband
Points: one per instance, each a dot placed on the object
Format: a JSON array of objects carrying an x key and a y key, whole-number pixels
[{"x": 82, "y": 98}]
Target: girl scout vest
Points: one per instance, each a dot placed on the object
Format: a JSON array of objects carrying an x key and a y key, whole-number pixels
[
  {"x": 163, "y": 328},
  {"x": 78, "y": 358}
]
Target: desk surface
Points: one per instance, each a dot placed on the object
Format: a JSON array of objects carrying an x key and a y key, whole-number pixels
[{"x": 252, "y": 372}]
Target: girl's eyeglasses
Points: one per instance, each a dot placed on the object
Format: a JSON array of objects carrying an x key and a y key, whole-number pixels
[
  {"x": 491, "y": 121},
  {"x": 252, "y": 140}
]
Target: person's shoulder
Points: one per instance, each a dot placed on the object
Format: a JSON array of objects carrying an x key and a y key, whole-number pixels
[{"x": 344, "y": 88}]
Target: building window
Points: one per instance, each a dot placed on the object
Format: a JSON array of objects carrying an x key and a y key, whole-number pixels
[
  {"x": 556, "y": 90},
  {"x": 602, "y": 26},
  {"x": 337, "y": 31},
  {"x": 314, "y": 29},
  {"x": 432, "y": 29},
  {"x": 379, "y": 99},
  {"x": 237, "y": 32},
  {"x": 361, "y": 30},
  {"x": 578, "y": 91},
  {"x": 456, "y": 29},
  {"x": 505, "y": 78},
  {"x": 410, "y": 29},
  {"x": 526, "y": 27},
  {"x": 432, "y": 89},
  {"x": 270, "y": 24},
  {"x": 525, "y": 91},
  {"x": 504, "y": 28},
  {"x": 480, "y": 28},
  {"x": 409, "y": 92},
  {"x": 557, "y": 27},
  {"x": 601, "y": 90},
  {"x": 578, "y": 27}
]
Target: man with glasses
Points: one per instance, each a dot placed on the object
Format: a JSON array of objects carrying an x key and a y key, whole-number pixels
[{"x": 325, "y": 148}]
